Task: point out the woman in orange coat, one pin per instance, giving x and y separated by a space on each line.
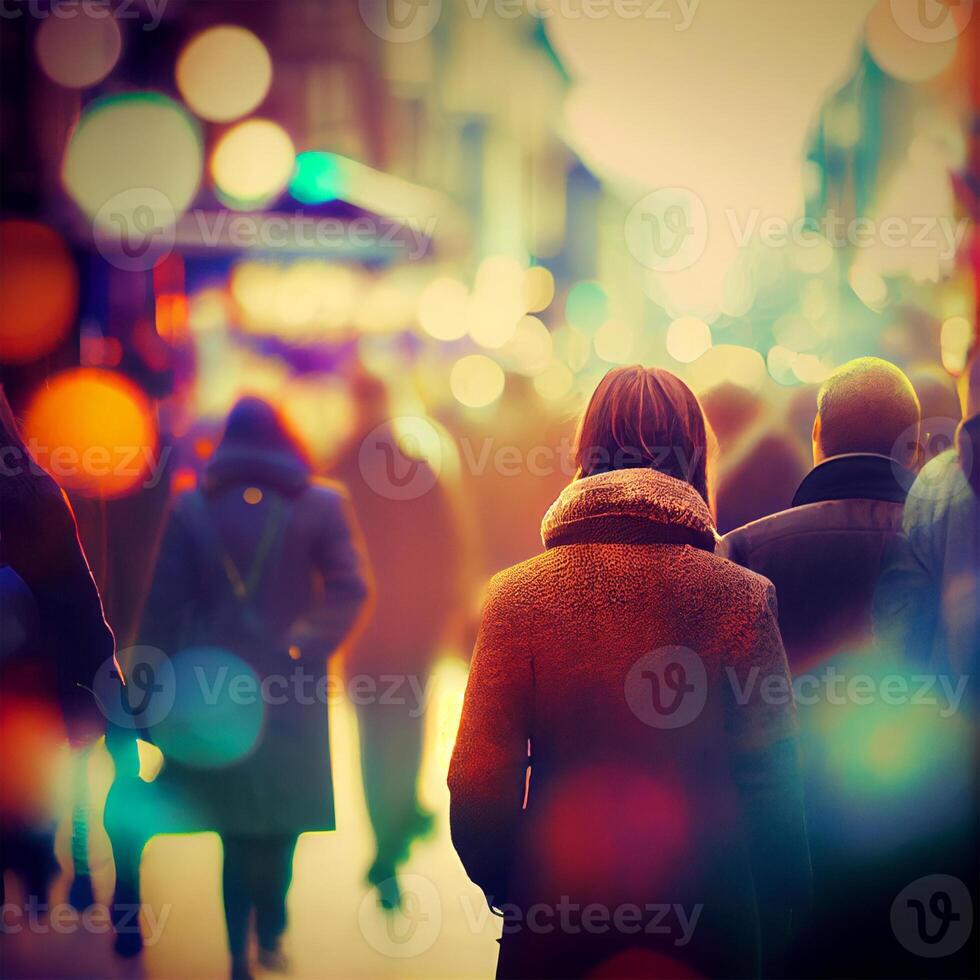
624 784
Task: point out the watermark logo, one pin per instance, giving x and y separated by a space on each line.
933 916
409 930
400 21
667 688
135 229
148 695
932 21
402 469
934 437
667 229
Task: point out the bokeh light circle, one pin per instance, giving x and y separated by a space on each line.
899 51
253 163
539 288
38 291
476 380
218 710
224 73
442 309
688 337
134 147
93 431
78 51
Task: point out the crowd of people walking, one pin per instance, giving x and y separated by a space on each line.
689 746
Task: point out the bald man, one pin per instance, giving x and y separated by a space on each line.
824 553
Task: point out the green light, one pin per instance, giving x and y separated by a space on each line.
587 306
318 178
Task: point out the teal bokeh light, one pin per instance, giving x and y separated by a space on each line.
587 305
318 178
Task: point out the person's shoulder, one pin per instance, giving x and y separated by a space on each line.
939 486
741 543
739 580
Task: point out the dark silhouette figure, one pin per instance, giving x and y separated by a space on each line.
413 539
825 555
759 462
614 666
53 640
259 579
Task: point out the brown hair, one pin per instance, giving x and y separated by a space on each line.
644 418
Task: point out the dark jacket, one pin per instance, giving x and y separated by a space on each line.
246 764
632 801
39 541
406 513
825 553
929 600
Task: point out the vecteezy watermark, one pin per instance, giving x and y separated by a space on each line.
411 20
668 230
670 920
405 470
137 228
409 930
922 444
932 21
933 916
41 918
151 686
94 9
668 688
80 466
407 467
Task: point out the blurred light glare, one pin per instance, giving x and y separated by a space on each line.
95 432
224 72
614 342
38 291
476 381
318 178
530 347
490 323
781 363
899 49
133 163
554 382
78 51
955 340
539 288
442 308
587 305
253 163
688 337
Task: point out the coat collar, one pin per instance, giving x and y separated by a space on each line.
632 506
855 476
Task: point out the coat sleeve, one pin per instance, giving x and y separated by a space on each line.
907 596
488 771
764 749
340 557
69 601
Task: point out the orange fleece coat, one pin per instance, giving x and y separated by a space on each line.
643 681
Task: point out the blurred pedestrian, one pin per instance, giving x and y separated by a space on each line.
608 666
413 535
824 554
53 640
260 578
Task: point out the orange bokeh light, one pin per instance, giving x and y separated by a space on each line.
93 431
38 291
